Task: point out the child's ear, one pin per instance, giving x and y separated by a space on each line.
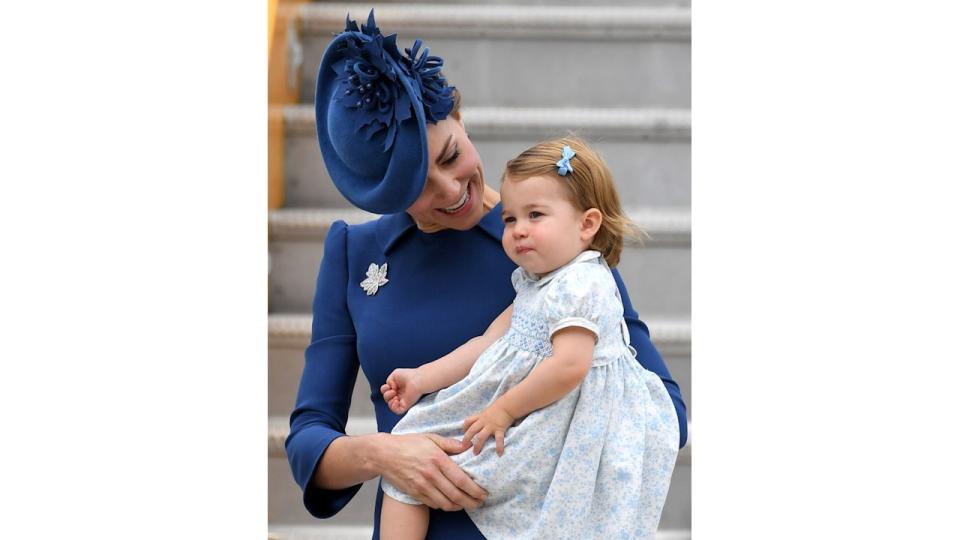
590 224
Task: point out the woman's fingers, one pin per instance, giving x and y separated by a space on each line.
463 482
451 497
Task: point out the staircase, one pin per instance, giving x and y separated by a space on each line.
617 75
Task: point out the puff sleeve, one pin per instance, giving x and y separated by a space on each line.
578 297
329 373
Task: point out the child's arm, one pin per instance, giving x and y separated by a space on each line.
404 387
449 369
552 379
555 376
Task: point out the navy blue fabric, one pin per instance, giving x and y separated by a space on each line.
444 288
376 179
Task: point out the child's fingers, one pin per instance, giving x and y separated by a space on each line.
481 438
468 422
499 436
396 405
468 436
388 394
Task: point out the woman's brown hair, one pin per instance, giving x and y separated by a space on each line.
589 185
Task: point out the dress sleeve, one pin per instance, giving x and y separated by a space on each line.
576 298
326 385
649 357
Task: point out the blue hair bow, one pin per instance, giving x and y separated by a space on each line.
564 164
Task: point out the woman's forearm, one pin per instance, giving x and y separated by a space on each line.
349 461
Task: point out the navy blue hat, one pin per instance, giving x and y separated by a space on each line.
372 107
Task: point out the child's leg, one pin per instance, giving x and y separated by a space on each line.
399 521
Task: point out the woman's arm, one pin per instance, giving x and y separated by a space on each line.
329 373
650 358
328 465
419 465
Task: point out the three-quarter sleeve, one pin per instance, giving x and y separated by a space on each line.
326 386
650 358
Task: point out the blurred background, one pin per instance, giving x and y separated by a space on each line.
616 72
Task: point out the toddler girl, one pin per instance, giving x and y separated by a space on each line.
571 436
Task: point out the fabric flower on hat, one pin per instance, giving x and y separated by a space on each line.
369 82
436 96
367 77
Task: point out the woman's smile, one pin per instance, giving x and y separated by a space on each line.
461 206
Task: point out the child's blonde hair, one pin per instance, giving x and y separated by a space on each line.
590 185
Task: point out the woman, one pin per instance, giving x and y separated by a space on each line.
407 288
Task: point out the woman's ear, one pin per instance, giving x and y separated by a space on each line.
590 224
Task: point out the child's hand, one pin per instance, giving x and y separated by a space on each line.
402 390
493 420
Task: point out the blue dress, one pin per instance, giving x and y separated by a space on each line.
594 464
443 289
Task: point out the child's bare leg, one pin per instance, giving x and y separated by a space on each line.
399 521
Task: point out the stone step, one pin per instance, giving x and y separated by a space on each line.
365 532
648 150
289 335
285 498
564 55
657 274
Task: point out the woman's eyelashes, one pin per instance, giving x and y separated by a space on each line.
453 156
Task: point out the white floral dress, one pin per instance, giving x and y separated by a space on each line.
596 463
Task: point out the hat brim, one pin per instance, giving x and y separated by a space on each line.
385 190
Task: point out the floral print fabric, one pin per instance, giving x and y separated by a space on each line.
595 464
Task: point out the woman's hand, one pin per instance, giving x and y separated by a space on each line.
494 420
419 466
402 390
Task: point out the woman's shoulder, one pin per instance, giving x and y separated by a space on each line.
377 233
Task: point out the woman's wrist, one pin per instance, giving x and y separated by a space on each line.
350 460
370 453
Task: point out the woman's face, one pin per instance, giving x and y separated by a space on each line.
453 194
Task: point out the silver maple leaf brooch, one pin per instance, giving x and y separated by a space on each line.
375 278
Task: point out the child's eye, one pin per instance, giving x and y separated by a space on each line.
534 215
509 219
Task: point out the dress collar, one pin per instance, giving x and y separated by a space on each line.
543 280
392 227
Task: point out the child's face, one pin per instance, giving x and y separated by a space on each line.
542 229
